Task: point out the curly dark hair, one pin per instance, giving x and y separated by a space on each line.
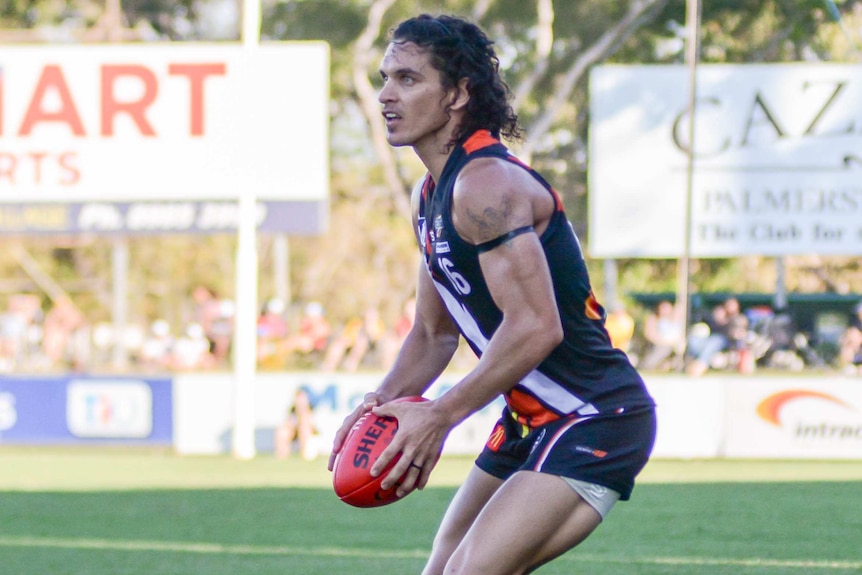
460 49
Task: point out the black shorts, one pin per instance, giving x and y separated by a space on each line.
608 450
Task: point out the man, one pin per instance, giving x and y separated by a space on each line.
850 344
504 270
664 335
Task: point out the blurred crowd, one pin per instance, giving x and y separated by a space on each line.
726 337
35 338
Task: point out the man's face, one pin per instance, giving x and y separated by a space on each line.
414 102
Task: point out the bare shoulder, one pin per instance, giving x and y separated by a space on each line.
493 197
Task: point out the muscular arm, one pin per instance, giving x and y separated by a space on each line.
490 200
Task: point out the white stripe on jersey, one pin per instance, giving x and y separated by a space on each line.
462 317
546 389
550 445
551 393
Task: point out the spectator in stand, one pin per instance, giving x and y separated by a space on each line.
850 351
17 324
850 344
358 337
740 353
706 339
344 339
405 321
620 326
392 343
272 346
297 430
220 334
215 316
206 308
314 331
61 323
737 324
856 317
158 346
775 340
728 332
192 350
665 337
370 338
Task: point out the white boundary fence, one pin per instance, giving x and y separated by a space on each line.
734 417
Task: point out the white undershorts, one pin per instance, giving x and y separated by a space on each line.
599 497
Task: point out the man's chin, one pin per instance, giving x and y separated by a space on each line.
396 142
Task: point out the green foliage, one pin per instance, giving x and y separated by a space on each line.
29 13
648 275
368 257
170 18
294 20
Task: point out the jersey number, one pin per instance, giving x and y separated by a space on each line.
456 279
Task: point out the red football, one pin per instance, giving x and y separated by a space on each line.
351 476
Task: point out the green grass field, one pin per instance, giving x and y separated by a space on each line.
112 512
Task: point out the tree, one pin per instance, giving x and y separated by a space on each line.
546 47
99 21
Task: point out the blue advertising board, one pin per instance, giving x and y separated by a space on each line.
86 410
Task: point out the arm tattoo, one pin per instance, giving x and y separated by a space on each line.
492 222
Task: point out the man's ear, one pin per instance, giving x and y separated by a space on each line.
459 96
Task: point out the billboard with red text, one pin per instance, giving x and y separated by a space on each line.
161 137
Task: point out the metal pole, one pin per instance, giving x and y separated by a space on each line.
281 268
780 302
683 299
114 32
247 268
120 300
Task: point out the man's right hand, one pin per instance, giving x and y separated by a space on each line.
370 401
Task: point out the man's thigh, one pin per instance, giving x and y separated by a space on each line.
468 502
533 518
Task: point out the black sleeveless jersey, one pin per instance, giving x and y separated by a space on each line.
585 374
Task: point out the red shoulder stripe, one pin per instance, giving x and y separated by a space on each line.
480 139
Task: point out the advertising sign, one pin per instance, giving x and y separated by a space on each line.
777 160
148 217
204 412
794 420
684 431
61 411
109 409
130 134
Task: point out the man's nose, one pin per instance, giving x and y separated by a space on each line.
385 94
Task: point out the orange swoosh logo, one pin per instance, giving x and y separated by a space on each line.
592 307
769 408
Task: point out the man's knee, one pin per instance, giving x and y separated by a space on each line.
478 560
441 552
